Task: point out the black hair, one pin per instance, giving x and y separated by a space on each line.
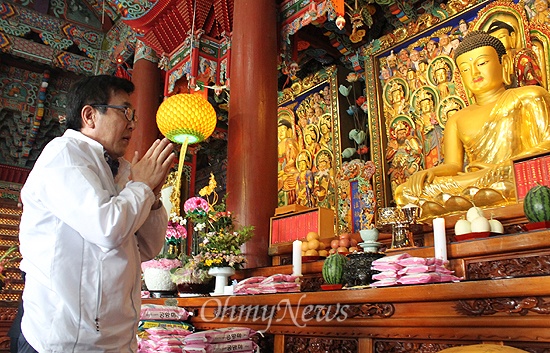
478 39
498 24
92 90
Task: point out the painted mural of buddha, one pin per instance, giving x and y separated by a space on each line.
501 125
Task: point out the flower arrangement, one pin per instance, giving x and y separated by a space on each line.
175 233
220 240
190 273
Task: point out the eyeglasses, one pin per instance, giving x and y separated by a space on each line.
129 113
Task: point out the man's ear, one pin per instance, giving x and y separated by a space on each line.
88 115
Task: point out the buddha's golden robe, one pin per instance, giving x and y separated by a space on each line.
516 126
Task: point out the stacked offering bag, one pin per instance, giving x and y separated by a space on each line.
407 269
268 285
229 339
163 328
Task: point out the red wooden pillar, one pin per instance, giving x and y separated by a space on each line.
252 134
146 100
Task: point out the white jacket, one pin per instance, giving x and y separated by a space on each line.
83 236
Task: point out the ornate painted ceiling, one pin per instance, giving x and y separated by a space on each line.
90 36
96 36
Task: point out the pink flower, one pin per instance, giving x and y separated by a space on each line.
175 231
194 203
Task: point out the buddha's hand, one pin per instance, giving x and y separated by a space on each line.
419 179
475 166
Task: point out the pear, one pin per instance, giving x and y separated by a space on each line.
480 224
463 226
473 213
496 226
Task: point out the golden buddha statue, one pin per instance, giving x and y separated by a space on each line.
501 125
520 65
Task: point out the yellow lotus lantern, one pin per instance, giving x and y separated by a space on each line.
185 119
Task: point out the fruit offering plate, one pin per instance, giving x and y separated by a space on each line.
473 235
537 225
312 258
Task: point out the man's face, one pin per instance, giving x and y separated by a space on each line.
415 55
481 70
507 39
444 40
112 129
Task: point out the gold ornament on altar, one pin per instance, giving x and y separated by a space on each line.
185 118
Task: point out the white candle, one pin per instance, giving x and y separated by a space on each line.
297 258
440 239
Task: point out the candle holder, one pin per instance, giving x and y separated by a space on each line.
401 220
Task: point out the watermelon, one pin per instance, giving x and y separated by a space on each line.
536 204
333 268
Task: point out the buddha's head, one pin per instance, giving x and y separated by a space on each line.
396 92
504 32
479 60
310 134
304 161
283 129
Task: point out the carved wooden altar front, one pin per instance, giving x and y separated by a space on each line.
504 298
420 318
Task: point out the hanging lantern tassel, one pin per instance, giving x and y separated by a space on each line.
185 119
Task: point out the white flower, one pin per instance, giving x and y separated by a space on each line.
199 227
